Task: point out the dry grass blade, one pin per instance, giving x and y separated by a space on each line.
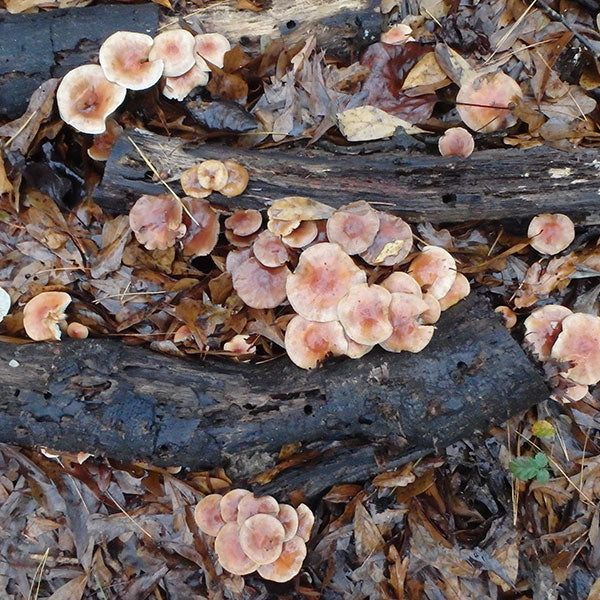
128 515
38 575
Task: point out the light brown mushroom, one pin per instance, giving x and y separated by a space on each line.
356 350
353 227
324 275
77 330
201 234
230 502
85 98
190 184
207 514
259 286
244 222
237 179
302 236
211 47
306 520
408 334
460 289
456 141
175 48
567 391
269 249
289 563
551 233
261 538
43 315
156 221
182 334
124 58
240 241
542 327
308 343
249 506
230 553
235 258
103 142
508 316
397 35
177 88
238 344
281 227
288 517
212 175
433 312
434 269
392 243
402 282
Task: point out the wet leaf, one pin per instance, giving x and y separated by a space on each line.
221 115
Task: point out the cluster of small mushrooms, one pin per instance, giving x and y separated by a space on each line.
256 534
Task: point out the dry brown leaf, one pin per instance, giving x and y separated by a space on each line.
454 65
400 478
72 590
299 208
371 123
367 537
427 72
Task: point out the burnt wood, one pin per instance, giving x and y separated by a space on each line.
102 396
489 185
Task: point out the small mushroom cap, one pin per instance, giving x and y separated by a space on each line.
190 184
288 517
156 221
249 506
244 222
508 316
182 334
324 275
212 175
302 236
269 249
483 103
103 142
177 88
230 502
434 269
356 350
542 327
259 286
282 228
211 47
307 343
77 330
566 391
5 302
238 344
392 243
405 310
176 49
207 514
579 344
353 227
43 313
363 313
124 59
397 35
456 141
306 520
240 241
201 236
402 282
235 258
85 98
551 233
237 179
261 538
289 563
230 553
433 312
460 289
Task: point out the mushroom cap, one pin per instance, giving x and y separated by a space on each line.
456 141
551 233
579 344
235 258
212 175
190 184
230 502
566 391
356 350
240 241
483 102
460 289
85 98
288 517
5 302
324 275
392 243
103 142
397 35
353 227
230 552
306 520
542 327
408 334
238 344
288 564
261 538
281 227
307 343
207 514
177 88
363 312
176 49
259 286
269 249
77 330
201 236
182 334
43 313
433 312
508 316
402 282
244 222
124 59
211 47
302 236
156 221
249 506
434 269
237 179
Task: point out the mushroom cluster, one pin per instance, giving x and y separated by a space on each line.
256 534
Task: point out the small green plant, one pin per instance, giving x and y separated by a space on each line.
531 468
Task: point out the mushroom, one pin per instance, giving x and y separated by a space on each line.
238 344
392 243
261 538
230 553
551 233
281 227
579 345
508 316
207 514
244 222
103 142
307 343
484 102
77 330
566 391
176 49
230 502
235 258
201 234
249 506
353 227
324 275
5 303
434 310
402 282
190 184
269 250
302 236
460 289
456 141
124 58
259 286
363 313
212 174
85 98
211 47
237 179
408 333
240 241
434 269
397 35
542 327
288 564
306 520
182 334
43 314
288 517
177 88
156 221
356 350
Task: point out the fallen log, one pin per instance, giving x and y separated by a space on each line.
358 416
489 185
36 47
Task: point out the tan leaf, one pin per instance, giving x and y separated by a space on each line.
72 590
371 123
454 65
426 72
367 538
299 208
390 249
400 478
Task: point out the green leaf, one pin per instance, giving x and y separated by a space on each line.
541 460
543 476
524 468
543 429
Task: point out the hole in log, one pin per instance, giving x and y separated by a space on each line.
449 198
16 393
291 24
308 409
47 395
365 420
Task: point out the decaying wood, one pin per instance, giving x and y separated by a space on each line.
376 412
489 185
36 47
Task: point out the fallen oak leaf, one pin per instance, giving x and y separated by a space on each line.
371 123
